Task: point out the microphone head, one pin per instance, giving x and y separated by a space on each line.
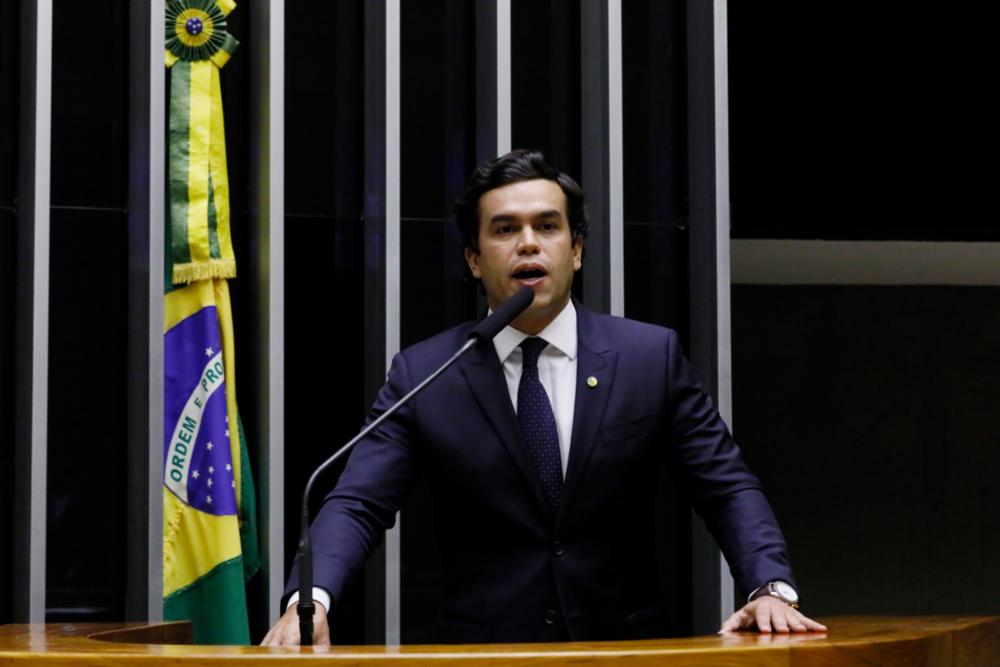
503 315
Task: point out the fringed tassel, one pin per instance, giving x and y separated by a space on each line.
215 268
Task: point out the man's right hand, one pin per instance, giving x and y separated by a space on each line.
286 631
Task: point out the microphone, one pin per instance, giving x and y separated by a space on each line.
483 332
504 315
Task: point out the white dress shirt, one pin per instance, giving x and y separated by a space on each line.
557 373
556 370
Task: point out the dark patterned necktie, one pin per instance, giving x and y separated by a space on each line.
538 424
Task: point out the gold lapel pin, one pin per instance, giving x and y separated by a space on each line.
591 382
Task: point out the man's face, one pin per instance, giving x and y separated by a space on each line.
524 239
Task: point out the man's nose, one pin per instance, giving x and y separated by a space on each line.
527 242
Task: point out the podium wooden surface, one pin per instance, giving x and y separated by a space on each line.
928 641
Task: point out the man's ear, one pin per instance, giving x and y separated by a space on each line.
472 259
577 253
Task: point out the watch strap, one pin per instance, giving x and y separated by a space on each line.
771 589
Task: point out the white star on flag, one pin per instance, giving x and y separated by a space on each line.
227 432
196 474
209 445
211 470
233 484
229 467
210 482
209 499
208 352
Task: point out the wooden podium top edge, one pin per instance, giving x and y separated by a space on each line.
851 640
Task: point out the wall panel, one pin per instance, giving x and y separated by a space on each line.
438 149
869 412
10 63
324 264
654 100
88 320
545 80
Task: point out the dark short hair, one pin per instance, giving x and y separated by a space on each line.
515 166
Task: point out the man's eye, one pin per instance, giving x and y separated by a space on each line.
548 226
504 229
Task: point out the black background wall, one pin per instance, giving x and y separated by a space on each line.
868 411
851 123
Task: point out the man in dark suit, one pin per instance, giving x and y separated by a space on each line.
542 451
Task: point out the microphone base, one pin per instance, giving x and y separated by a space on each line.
306 623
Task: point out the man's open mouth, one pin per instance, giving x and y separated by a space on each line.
529 274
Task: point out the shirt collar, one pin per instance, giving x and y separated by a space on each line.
560 334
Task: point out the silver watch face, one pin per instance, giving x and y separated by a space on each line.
786 591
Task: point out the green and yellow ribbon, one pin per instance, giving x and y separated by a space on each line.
197 45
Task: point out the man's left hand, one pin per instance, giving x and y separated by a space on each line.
769 614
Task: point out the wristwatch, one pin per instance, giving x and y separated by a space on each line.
779 590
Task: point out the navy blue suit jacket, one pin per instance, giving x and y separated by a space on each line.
514 569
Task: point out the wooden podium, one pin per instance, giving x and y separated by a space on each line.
927 641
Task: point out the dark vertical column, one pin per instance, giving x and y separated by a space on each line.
439 141
376 270
545 82
144 585
601 152
709 268
439 144
267 131
10 75
31 411
654 103
493 112
486 80
324 235
492 79
487 93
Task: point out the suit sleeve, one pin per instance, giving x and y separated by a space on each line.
725 493
379 475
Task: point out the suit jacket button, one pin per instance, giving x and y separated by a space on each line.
551 616
557 548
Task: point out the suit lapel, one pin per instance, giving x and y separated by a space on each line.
595 360
485 376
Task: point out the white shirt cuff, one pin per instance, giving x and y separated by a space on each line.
320 596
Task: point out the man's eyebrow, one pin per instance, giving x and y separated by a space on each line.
509 217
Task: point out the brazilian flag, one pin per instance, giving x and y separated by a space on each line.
209 508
